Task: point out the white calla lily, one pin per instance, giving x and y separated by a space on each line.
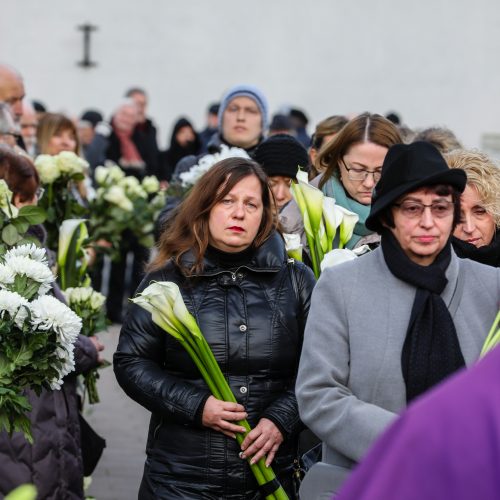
337 256
332 216
349 220
293 246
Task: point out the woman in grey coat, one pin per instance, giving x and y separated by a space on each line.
386 327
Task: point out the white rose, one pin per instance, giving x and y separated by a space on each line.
70 163
100 175
151 184
47 168
116 195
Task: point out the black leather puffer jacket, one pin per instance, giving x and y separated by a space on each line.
254 322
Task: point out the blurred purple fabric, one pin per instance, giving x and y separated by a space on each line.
445 445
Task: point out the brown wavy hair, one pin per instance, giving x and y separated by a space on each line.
18 171
366 127
188 229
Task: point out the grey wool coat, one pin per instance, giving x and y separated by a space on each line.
350 385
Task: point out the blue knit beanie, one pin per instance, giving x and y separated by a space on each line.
245 91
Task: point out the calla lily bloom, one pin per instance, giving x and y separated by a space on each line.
293 246
493 338
70 248
349 220
337 256
332 217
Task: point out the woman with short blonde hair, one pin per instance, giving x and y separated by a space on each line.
475 236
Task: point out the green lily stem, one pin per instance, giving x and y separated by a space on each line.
199 350
227 395
493 337
314 258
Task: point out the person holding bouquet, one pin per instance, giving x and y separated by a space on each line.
225 253
390 325
53 463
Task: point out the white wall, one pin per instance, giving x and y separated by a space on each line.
436 62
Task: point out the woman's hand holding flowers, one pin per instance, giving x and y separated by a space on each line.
218 415
263 440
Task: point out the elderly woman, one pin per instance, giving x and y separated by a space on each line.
386 327
224 252
475 236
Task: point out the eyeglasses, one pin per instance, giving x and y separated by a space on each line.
415 209
360 174
39 193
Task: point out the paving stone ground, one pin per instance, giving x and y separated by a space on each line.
124 425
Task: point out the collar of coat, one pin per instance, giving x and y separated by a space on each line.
269 257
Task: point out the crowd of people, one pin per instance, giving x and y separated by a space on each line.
329 365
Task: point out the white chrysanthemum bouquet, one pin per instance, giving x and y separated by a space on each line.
89 306
124 203
37 334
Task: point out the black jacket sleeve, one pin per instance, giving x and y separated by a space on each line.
138 366
284 412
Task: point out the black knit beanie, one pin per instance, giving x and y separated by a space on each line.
281 154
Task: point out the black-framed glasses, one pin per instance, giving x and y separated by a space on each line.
39 193
360 174
415 209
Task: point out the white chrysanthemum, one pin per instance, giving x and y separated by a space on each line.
47 168
48 313
6 275
15 305
151 184
32 269
79 295
190 177
70 163
116 195
29 250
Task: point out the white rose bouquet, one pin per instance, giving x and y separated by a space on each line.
37 334
124 203
61 176
89 306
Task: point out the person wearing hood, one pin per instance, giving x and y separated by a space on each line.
184 141
242 119
388 326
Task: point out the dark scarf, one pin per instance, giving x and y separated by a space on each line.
488 254
431 350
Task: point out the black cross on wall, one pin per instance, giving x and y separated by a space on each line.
87 29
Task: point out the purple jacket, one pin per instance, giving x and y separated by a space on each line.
445 445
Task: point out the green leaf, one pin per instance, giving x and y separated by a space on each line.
33 214
21 225
10 235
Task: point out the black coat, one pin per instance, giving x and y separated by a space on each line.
53 463
254 322
144 138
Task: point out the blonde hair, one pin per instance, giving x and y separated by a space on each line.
52 124
483 174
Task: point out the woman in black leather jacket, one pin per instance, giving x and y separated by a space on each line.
224 252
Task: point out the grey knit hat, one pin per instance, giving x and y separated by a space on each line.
245 91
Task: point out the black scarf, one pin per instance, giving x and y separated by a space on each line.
488 254
431 350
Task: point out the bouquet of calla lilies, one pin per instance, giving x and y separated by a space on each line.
166 305
323 218
493 338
